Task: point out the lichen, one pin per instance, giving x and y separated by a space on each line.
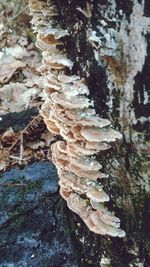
122 48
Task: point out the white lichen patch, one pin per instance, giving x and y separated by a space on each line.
105 262
122 49
135 50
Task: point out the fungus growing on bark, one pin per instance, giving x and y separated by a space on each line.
80 102
100 135
69 112
55 59
91 175
94 219
45 42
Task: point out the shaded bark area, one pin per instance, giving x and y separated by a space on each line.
127 163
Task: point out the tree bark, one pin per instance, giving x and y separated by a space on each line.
109 43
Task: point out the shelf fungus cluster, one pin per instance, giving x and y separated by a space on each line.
69 112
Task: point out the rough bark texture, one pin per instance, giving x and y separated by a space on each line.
109 44
33 230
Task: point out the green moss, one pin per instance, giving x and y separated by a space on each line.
31 36
147 246
30 186
146 167
19 220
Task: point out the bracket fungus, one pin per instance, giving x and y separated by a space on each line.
69 112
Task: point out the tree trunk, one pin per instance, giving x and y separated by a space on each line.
109 43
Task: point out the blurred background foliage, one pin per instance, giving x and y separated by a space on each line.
14 20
